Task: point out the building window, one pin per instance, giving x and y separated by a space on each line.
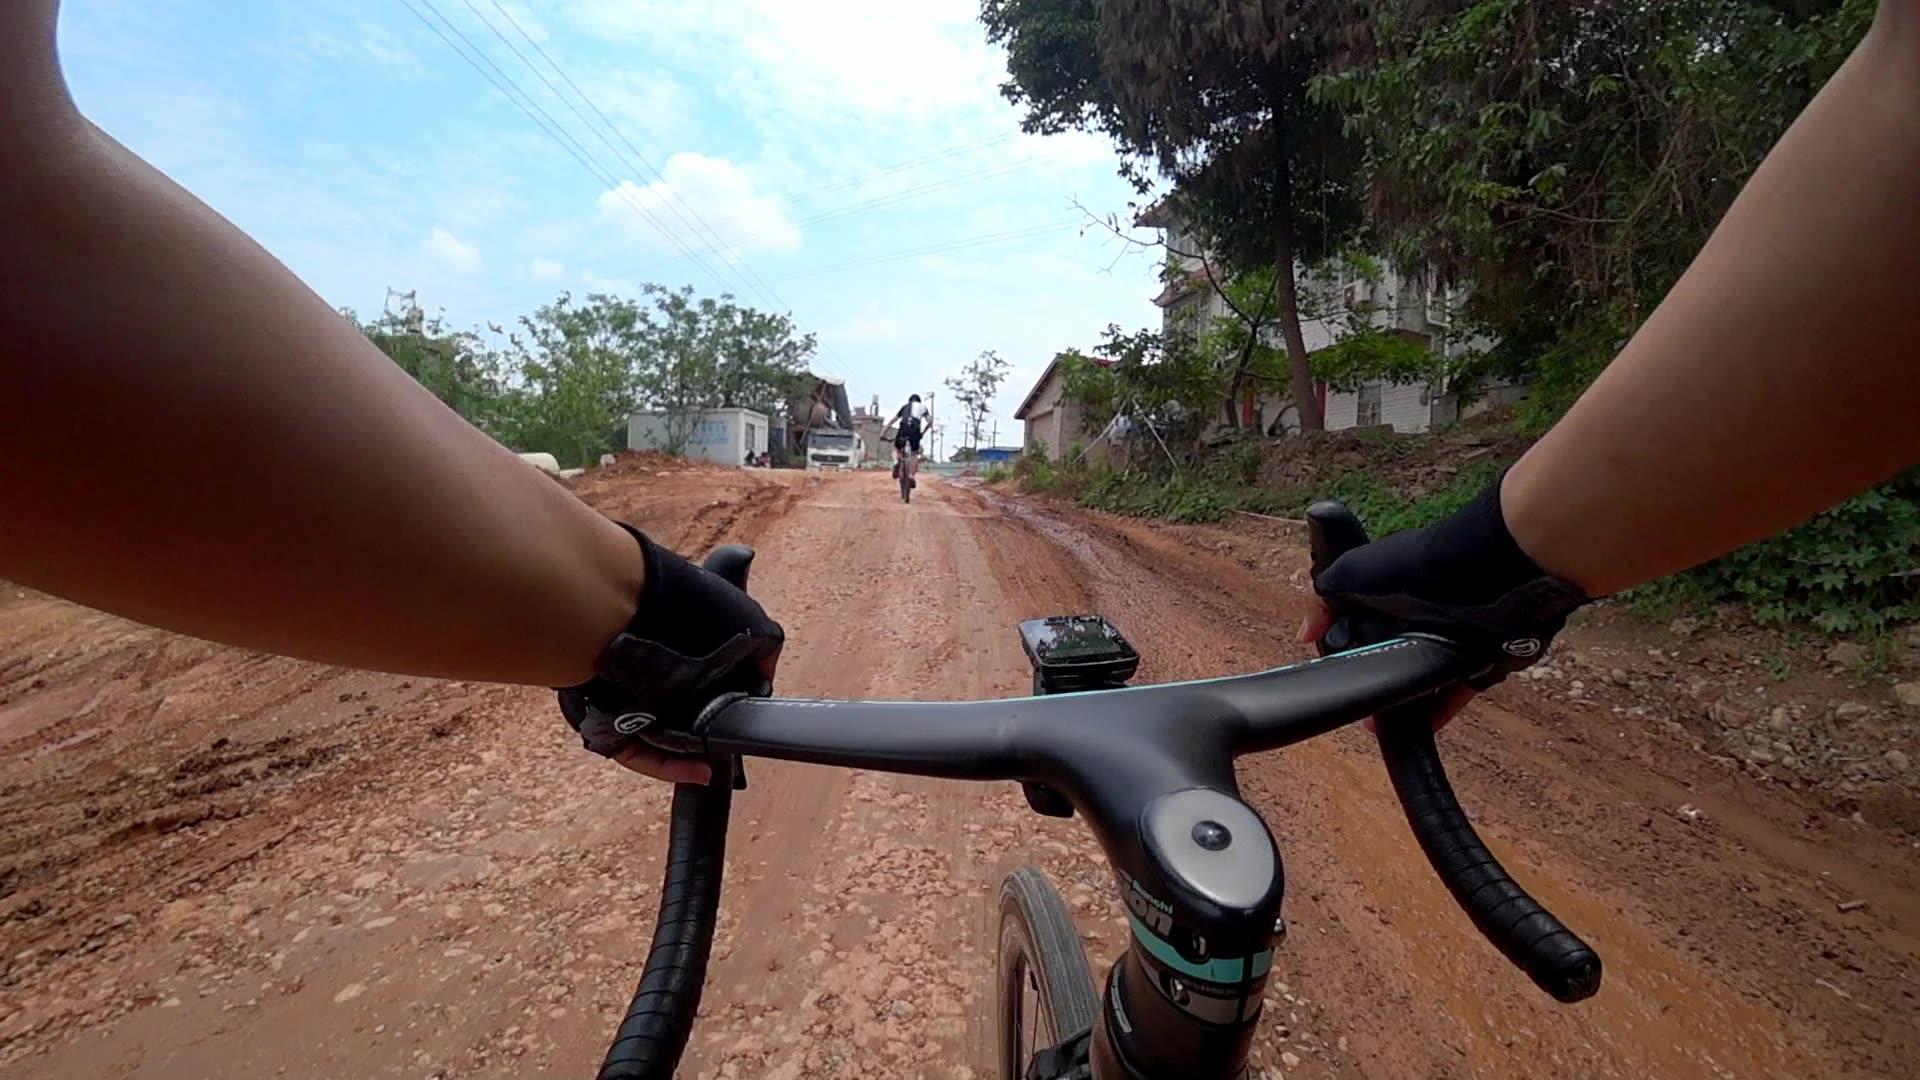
1367 413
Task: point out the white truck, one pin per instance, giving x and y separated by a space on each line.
833 448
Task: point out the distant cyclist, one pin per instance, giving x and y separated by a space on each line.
908 425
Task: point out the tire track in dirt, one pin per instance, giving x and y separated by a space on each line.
876 951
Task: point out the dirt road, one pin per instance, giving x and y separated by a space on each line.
214 864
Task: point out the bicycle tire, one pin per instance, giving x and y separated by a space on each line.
1039 941
906 486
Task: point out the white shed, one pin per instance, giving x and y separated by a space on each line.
722 436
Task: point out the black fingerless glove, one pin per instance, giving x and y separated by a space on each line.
1463 578
693 638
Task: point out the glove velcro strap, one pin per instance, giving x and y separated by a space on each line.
676 687
1513 630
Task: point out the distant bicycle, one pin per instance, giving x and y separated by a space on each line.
1151 770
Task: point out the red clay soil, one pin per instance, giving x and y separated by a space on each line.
216 864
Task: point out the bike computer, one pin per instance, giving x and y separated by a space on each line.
1077 652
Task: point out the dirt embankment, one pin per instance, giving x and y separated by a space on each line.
1411 466
214 864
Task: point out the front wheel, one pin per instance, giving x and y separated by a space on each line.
1046 993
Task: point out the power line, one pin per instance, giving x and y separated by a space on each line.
545 121
697 222
691 218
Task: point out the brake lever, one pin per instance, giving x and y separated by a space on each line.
1332 531
733 563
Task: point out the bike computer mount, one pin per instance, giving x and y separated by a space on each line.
1069 654
1077 652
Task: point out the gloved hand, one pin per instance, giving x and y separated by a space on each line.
1463 578
693 637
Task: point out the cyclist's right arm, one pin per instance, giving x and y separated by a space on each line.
1779 376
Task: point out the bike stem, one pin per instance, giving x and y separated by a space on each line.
1185 999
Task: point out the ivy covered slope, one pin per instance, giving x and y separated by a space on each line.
1853 569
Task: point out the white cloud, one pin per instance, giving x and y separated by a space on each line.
334 35
696 189
645 98
453 252
856 60
546 269
617 286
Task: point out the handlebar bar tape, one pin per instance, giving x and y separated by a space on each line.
1553 956
652 1037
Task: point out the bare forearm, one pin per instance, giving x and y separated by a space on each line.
1781 374
200 443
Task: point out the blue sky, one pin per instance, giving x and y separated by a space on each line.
849 161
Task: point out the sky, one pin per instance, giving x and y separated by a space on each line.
849 161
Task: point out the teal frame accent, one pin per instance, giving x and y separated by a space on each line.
1225 970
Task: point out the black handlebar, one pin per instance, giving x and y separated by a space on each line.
1316 699
1528 934
654 1034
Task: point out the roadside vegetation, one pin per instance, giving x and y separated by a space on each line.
1852 570
564 378
1548 170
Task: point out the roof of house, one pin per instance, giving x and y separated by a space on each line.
1053 364
1157 215
1178 287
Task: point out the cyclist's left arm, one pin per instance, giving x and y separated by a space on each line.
215 450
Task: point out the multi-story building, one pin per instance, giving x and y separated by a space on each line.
1391 302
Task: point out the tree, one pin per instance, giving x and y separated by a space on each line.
572 372
1567 160
572 381
974 390
1214 98
1162 382
697 354
451 364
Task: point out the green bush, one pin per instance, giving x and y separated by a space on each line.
1137 494
997 473
1039 472
1847 570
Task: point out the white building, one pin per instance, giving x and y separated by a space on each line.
722 436
1402 305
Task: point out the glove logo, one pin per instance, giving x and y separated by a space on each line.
1524 648
632 723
